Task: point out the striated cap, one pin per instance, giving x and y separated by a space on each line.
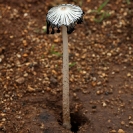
65 14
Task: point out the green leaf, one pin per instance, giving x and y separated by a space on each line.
72 64
52 51
102 5
102 17
128 1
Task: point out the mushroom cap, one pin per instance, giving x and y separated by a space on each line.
64 14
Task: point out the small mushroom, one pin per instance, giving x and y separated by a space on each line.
64 16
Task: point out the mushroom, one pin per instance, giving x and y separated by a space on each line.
65 16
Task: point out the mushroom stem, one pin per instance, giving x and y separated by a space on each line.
66 109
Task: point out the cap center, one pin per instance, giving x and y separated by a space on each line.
63 8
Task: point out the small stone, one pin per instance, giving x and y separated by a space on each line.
1 125
48 89
125 13
57 40
18 117
54 72
3 114
94 78
88 1
25 43
0 59
113 72
25 75
7 96
43 91
42 126
74 94
85 92
30 89
83 72
7 77
3 119
94 110
113 131
131 122
18 55
98 92
44 27
11 37
109 54
20 80
83 56
130 117
25 55
128 74
122 123
120 92
25 14
93 83
104 104
103 75
99 83
121 131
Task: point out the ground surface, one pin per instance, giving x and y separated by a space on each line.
101 69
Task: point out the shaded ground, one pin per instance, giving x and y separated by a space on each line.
101 69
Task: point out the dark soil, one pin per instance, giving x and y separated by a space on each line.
101 69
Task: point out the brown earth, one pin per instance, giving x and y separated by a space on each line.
101 69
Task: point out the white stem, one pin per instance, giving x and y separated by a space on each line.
66 109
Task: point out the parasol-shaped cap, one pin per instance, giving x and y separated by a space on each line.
65 14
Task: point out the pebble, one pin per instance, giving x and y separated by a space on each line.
94 110
128 74
98 92
18 55
48 89
113 72
44 27
93 83
20 80
104 104
25 75
25 14
25 55
131 122
109 54
94 78
130 117
1 125
121 131
30 89
42 126
57 40
3 119
54 72
122 123
3 114
113 131
85 92
99 83
74 94
0 59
